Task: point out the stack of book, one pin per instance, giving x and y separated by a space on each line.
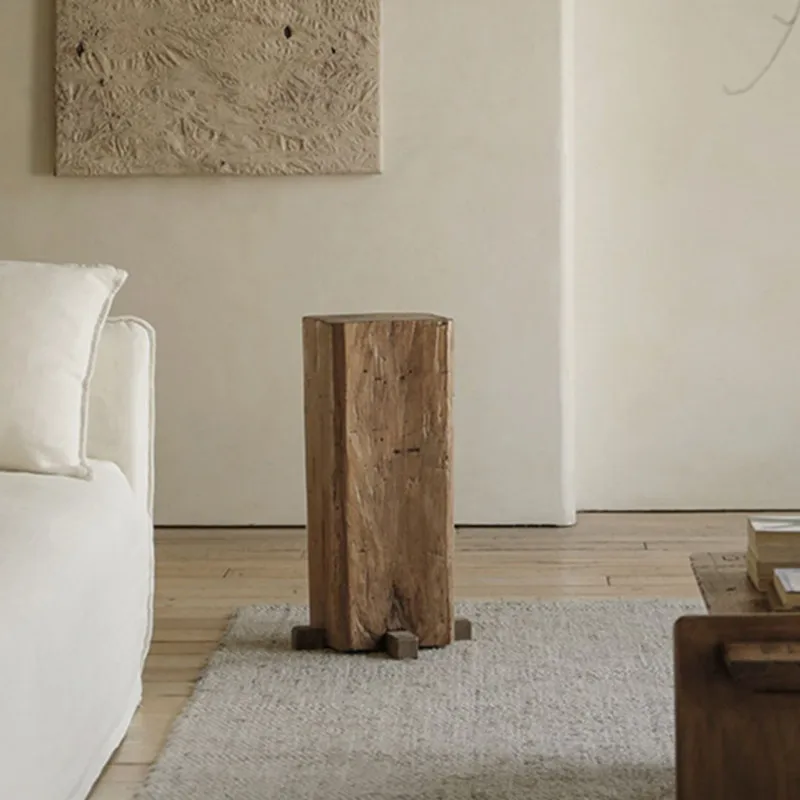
784 593
772 543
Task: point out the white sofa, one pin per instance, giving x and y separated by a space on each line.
76 587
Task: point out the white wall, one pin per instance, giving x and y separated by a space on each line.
687 256
465 222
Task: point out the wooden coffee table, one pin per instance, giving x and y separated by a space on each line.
737 691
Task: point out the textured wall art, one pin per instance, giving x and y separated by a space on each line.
241 87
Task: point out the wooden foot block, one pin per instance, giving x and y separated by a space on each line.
304 637
463 629
402 644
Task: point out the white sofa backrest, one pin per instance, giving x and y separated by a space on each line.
122 403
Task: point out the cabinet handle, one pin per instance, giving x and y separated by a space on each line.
764 666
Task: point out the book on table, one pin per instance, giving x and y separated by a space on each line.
773 542
786 583
774 538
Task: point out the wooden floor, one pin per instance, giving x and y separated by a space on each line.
203 575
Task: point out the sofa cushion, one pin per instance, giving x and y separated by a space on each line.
51 316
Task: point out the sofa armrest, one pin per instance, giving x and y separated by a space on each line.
121 405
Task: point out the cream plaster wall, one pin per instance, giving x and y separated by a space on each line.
687 269
464 221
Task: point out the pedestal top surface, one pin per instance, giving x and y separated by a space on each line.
344 319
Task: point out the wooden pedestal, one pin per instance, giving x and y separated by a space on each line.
379 443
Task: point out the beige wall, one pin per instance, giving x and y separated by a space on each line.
687 256
465 221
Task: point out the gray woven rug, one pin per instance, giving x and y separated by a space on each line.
551 701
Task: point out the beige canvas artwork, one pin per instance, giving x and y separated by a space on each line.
239 87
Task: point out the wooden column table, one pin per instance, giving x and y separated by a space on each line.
379 484
737 690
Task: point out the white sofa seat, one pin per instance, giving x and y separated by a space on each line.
75 586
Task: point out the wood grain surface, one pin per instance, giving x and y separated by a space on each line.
379 439
325 464
724 585
732 742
